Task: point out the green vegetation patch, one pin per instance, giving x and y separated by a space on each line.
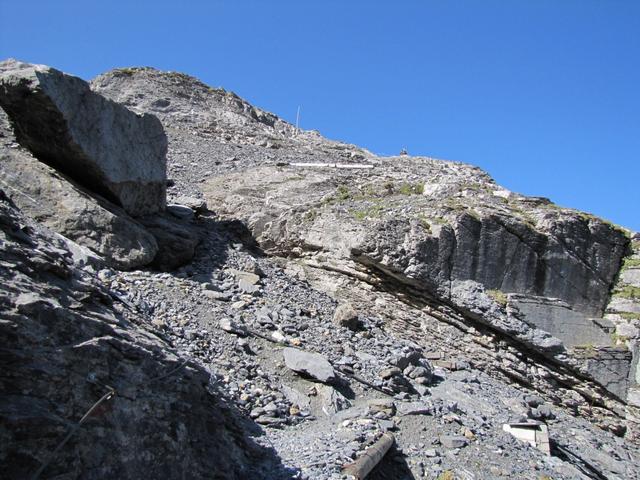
411 189
446 475
617 338
631 262
373 211
369 192
588 350
424 221
126 71
343 193
524 215
499 296
628 291
310 215
405 188
630 315
440 220
475 187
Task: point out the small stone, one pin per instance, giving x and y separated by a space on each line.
195 204
248 277
386 425
421 389
230 326
278 336
296 397
346 316
453 441
270 408
387 373
268 420
533 400
158 322
180 211
247 287
256 412
332 400
385 405
213 295
239 305
414 408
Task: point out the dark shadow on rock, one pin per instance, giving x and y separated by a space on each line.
177 240
216 238
583 465
393 466
343 386
148 412
238 231
211 252
436 380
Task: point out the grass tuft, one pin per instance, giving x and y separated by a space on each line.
499 296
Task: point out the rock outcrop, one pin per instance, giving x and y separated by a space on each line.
391 220
98 142
64 206
568 257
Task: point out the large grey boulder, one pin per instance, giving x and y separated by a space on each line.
312 364
98 142
55 201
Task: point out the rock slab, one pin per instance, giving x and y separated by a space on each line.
312 364
68 209
98 142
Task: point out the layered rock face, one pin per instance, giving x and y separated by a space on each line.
114 151
433 226
571 258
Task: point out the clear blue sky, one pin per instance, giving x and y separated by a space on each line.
543 94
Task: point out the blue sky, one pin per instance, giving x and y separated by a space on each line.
543 94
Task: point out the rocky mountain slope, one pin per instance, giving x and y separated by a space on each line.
291 299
